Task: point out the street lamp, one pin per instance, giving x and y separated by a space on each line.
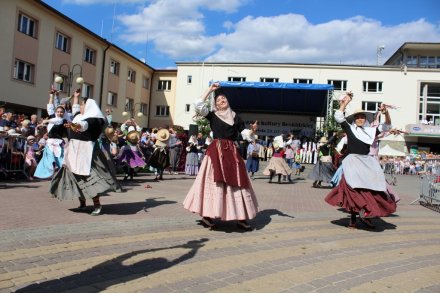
70 75
130 110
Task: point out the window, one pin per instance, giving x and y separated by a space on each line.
189 79
27 25
87 90
162 111
131 75
236 79
145 82
302 80
411 61
114 67
112 99
144 109
432 110
370 106
23 71
372 86
62 42
339 85
269 79
187 108
129 104
164 85
89 55
427 62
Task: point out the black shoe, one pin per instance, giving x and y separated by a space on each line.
244 226
207 222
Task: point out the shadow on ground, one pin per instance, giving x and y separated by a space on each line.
112 272
127 208
379 224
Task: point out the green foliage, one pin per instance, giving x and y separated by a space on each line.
203 125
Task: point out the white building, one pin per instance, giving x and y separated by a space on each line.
410 80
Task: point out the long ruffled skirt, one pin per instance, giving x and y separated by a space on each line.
218 200
67 185
375 203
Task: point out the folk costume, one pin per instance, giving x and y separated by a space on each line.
160 159
53 154
323 170
130 155
222 189
192 159
362 189
277 165
85 172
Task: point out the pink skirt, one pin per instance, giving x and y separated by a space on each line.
218 200
376 203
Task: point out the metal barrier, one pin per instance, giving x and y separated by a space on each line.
429 191
12 155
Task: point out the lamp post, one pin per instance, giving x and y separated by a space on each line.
130 111
70 74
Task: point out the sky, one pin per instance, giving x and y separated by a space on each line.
162 32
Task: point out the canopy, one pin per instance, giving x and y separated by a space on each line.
277 97
389 151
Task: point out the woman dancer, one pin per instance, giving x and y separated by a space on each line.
85 172
53 154
222 189
130 155
362 189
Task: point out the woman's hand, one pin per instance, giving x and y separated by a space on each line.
214 86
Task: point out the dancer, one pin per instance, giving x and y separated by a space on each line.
160 159
362 189
323 169
222 189
130 155
277 165
85 172
53 154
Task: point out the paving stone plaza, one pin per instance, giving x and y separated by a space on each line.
146 242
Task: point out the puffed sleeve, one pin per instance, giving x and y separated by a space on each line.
201 107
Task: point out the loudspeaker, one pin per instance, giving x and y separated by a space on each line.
193 130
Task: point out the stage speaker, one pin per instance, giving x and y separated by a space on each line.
193 130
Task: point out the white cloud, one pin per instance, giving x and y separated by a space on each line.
178 30
92 2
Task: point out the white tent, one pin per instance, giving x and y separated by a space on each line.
389 151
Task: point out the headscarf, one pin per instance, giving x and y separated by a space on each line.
226 115
91 110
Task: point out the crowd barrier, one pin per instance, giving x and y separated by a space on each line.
430 191
12 156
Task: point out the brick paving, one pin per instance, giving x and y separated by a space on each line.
146 242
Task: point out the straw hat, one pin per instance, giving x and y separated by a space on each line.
132 135
368 116
163 135
109 132
323 140
12 132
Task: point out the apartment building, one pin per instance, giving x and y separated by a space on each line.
42 48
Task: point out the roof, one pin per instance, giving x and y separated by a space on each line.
277 97
413 46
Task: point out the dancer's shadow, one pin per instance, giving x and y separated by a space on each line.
379 224
264 217
113 271
129 208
